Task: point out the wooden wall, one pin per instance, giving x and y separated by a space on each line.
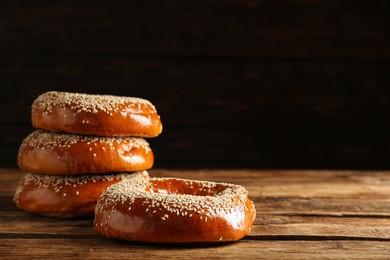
238 83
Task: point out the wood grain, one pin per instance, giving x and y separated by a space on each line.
189 147
97 249
230 93
239 84
281 29
301 214
250 99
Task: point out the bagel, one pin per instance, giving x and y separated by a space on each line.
100 115
172 210
65 196
45 152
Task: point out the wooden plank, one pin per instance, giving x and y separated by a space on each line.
344 207
259 148
268 190
324 190
195 92
246 148
292 29
334 116
301 183
341 212
325 221
276 206
18 223
320 226
103 248
348 207
21 224
269 183
257 176
232 62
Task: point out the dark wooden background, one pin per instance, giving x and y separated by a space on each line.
238 84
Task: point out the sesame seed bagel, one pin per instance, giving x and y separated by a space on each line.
47 152
172 210
65 196
101 115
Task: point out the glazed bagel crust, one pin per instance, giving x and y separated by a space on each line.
171 210
46 152
100 115
65 196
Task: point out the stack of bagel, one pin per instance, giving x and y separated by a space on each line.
88 157
81 145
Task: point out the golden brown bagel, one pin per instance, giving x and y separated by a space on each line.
65 196
171 210
46 152
101 115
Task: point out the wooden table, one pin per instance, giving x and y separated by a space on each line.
301 214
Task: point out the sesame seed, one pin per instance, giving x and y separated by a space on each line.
43 181
89 103
40 140
207 199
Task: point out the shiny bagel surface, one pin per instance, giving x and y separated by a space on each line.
64 196
171 210
100 115
45 152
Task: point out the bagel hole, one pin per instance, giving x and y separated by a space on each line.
182 187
